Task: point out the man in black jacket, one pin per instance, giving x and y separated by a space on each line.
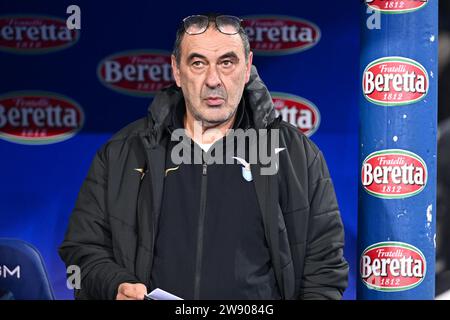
202 229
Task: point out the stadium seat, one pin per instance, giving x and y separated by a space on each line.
22 272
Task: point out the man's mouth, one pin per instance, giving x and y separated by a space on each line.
214 101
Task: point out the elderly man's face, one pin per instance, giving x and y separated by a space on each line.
212 74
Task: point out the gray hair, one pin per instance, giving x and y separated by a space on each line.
180 35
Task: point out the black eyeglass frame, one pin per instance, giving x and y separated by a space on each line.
217 21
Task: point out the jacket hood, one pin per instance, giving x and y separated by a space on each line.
257 100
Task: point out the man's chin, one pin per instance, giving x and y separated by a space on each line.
213 122
214 115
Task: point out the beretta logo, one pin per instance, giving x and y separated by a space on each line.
137 73
277 35
394 173
394 81
38 117
396 6
31 34
392 266
298 111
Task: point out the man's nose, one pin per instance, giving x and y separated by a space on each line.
213 78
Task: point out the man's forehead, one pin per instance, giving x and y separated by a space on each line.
212 42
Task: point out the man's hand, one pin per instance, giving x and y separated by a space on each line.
131 291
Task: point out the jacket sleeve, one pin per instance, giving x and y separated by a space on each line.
88 243
325 271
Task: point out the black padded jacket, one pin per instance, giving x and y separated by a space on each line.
111 232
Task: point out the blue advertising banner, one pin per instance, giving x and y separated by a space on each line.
398 120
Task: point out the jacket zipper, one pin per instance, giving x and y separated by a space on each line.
201 224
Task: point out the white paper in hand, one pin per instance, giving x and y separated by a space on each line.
159 294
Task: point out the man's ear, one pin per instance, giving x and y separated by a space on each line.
175 71
249 67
